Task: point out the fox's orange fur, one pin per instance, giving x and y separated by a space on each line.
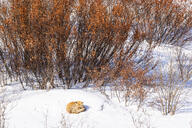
75 107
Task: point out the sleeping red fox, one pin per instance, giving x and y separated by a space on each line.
75 107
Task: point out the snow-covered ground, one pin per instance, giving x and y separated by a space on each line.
45 109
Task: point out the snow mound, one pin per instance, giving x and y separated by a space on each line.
41 109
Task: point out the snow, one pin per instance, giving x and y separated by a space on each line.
33 107
41 109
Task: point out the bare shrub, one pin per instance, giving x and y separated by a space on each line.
2 114
163 22
3 108
190 123
141 119
43 43
66 123
98 36
126 80
34 35
170 86
152 23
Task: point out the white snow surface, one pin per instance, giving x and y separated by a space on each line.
36 109
44 109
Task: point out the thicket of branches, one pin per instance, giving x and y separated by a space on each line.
45 42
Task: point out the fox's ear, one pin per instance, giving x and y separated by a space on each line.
79 102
